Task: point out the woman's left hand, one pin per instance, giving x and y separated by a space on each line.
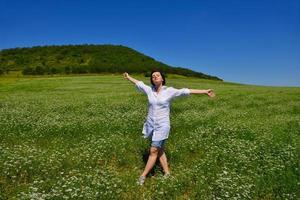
210 93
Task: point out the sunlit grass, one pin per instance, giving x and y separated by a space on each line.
80 138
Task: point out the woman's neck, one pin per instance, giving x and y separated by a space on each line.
158 87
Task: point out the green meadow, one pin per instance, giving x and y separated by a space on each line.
79 137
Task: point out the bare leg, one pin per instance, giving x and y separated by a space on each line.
151 161
163 161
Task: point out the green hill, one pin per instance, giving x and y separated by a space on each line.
79 59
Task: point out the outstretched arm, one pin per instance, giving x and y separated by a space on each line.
126 76
139 84
209 92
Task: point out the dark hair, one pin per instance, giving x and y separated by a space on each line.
162 75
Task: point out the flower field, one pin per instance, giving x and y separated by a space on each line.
79 137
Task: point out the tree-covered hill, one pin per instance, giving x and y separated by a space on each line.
79 59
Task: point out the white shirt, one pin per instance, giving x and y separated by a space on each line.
157 124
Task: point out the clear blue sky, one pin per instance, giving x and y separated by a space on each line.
244 41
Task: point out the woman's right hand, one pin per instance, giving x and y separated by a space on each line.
126 75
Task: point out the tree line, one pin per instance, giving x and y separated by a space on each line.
80 59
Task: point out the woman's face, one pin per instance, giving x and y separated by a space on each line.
157 78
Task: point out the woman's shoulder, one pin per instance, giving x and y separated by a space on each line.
169 88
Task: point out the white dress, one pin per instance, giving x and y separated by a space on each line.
157 124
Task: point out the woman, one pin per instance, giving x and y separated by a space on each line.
157 125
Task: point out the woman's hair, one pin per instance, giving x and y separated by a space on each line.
162 75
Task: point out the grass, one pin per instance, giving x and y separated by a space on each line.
80 138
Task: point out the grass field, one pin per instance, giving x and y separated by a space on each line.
80 138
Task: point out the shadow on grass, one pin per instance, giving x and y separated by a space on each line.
157 168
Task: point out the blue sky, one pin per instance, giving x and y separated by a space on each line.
251 41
